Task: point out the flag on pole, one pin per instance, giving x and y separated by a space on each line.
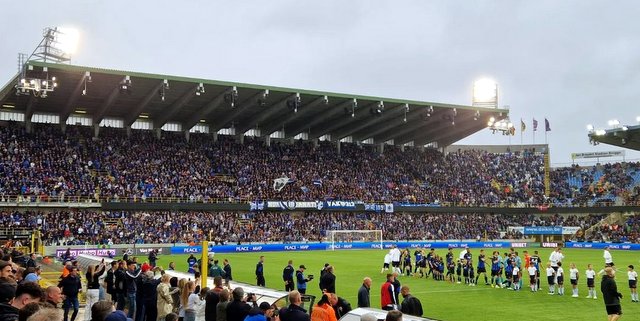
535 125
547 128
522 125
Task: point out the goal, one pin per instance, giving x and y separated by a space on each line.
354 236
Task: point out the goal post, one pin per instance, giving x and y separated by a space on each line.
354 236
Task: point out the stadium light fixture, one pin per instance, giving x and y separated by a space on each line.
638 119
590 127
485 93
600 132
625 128
163 88
200 89
231 97
614 123
67 39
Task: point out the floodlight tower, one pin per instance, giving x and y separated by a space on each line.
485 93
57 46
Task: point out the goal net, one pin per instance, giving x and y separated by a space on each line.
341 237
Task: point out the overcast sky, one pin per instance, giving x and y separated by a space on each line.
573 62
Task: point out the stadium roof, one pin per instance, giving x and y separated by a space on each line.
625 137
318 113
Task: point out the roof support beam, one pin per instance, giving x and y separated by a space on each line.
317 120
302 111
467 127
133 115
400 130
362 135
97 117
205 110
386 116
359 114
268 112
442 127
77 91
251 101
29 112
167 113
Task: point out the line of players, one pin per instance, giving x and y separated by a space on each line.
506 271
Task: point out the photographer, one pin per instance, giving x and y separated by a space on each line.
302 281
239 308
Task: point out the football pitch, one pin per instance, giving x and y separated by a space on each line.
440 299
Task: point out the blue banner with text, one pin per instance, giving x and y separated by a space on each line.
339 246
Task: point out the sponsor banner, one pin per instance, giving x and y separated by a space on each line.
570 230
614 246
336 246
388 207
615 153
96 252
545 230
374 208
294 205
257 205
145 250
337 205
550 244
519 244
401 205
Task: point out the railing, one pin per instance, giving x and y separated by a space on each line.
92 201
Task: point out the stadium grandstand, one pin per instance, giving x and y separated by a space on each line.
626 136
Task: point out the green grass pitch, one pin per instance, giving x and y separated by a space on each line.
442 300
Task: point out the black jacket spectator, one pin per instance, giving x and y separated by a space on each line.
411 306
328 282
364 299
294 313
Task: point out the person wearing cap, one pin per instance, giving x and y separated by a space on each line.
259 313
633 283
117 315
301 280
610 294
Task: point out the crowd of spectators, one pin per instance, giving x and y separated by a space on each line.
627 231
51 164
88 227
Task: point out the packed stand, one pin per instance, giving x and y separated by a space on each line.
87 227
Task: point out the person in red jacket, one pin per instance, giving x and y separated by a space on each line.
387 294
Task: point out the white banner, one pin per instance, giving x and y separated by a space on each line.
616 153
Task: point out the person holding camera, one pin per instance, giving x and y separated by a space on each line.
239 308
302 281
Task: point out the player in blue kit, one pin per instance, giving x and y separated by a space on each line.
481 268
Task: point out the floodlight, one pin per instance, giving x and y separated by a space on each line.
600 132
590 127
625 128
638 119
485 93
67 40
200 89
613 122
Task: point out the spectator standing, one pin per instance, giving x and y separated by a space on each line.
364 297
287 277
71 286
328 281
294 312
610 294
164 301
301 280
410 304
260 272
227 272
